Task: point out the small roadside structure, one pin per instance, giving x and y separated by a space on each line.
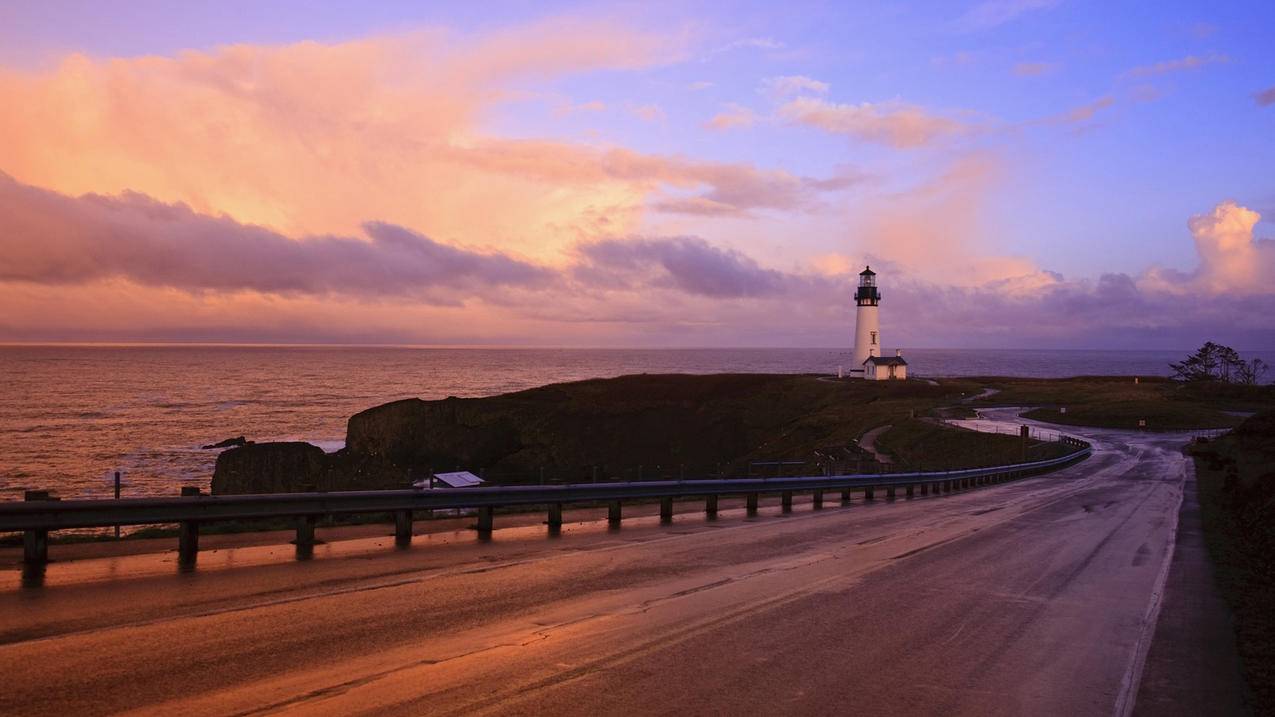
885 368
455 479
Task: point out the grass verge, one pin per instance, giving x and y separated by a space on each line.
1236 479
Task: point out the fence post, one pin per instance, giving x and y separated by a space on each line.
785 499
614 512
845 496
817 499
402 527
710 505
554 519
666 509
889 493
305 530
188 533
117 497
485 520
751 504
35 543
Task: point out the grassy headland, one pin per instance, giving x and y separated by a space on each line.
1236 478
640 427
1119 402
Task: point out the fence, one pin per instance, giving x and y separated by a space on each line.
41 513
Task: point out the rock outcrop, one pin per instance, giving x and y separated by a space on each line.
228 443
272 468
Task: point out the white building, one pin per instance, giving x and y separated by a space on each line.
867 327
885 368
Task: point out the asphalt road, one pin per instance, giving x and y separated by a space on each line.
1033 597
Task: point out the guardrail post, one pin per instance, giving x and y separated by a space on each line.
485 519
710 505
305 530
666 509
889 493
35 543
817 499
868 493
613 511
554 519
785 501
188 534
911 491
402 527
751 504
925 489
845 496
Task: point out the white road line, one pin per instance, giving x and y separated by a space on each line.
1132 679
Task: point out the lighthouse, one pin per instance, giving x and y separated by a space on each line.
867 326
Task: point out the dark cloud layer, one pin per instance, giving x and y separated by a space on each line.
648 288
688 264
51 238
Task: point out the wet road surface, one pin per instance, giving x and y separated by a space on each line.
1032 597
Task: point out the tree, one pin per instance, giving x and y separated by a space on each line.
1215 362
1251 372
1199 366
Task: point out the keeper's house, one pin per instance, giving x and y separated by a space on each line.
885 368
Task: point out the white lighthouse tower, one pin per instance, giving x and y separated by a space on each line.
867 326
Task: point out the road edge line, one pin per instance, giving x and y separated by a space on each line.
1132 680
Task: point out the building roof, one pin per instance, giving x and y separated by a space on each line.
456 479
886 361
867 271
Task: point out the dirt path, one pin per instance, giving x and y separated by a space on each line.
868 442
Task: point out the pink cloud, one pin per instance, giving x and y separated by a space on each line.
890 123
731 117
1190 62
1034 69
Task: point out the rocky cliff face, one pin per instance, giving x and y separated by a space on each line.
271 468
300 467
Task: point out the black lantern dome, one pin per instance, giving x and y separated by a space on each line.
867 294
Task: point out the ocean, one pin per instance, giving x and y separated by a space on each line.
70 416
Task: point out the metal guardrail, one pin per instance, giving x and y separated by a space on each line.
39 514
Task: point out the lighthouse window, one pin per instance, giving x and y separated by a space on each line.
874 338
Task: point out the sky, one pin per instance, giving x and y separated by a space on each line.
1020 173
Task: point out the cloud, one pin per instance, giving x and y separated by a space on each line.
1190 62
1081 113
396 133
590 106
131 268
699 85
1266 97
731 117
53 239
1034 69
786 85
648 113
752 43
1231 258
890 123
688 264
992 13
